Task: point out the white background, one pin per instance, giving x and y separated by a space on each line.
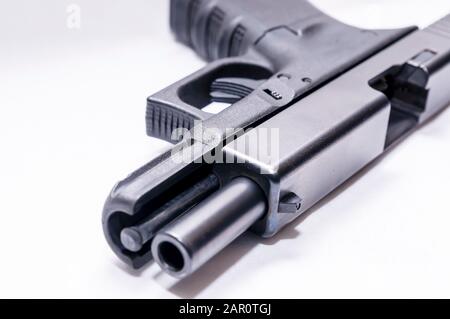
72 105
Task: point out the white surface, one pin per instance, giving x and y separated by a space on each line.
72 124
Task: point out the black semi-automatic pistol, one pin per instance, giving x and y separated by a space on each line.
311 100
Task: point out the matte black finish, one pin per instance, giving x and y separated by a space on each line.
134 238
338 95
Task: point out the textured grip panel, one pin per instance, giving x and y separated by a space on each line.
162 120
224 28
236 41
213 27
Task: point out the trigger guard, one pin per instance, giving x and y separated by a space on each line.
180 105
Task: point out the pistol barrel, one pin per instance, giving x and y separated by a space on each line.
193 239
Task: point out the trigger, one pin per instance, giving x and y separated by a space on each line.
232 90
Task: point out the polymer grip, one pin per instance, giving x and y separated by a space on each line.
218 29
252 43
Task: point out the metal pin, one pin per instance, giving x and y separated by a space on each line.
135 237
